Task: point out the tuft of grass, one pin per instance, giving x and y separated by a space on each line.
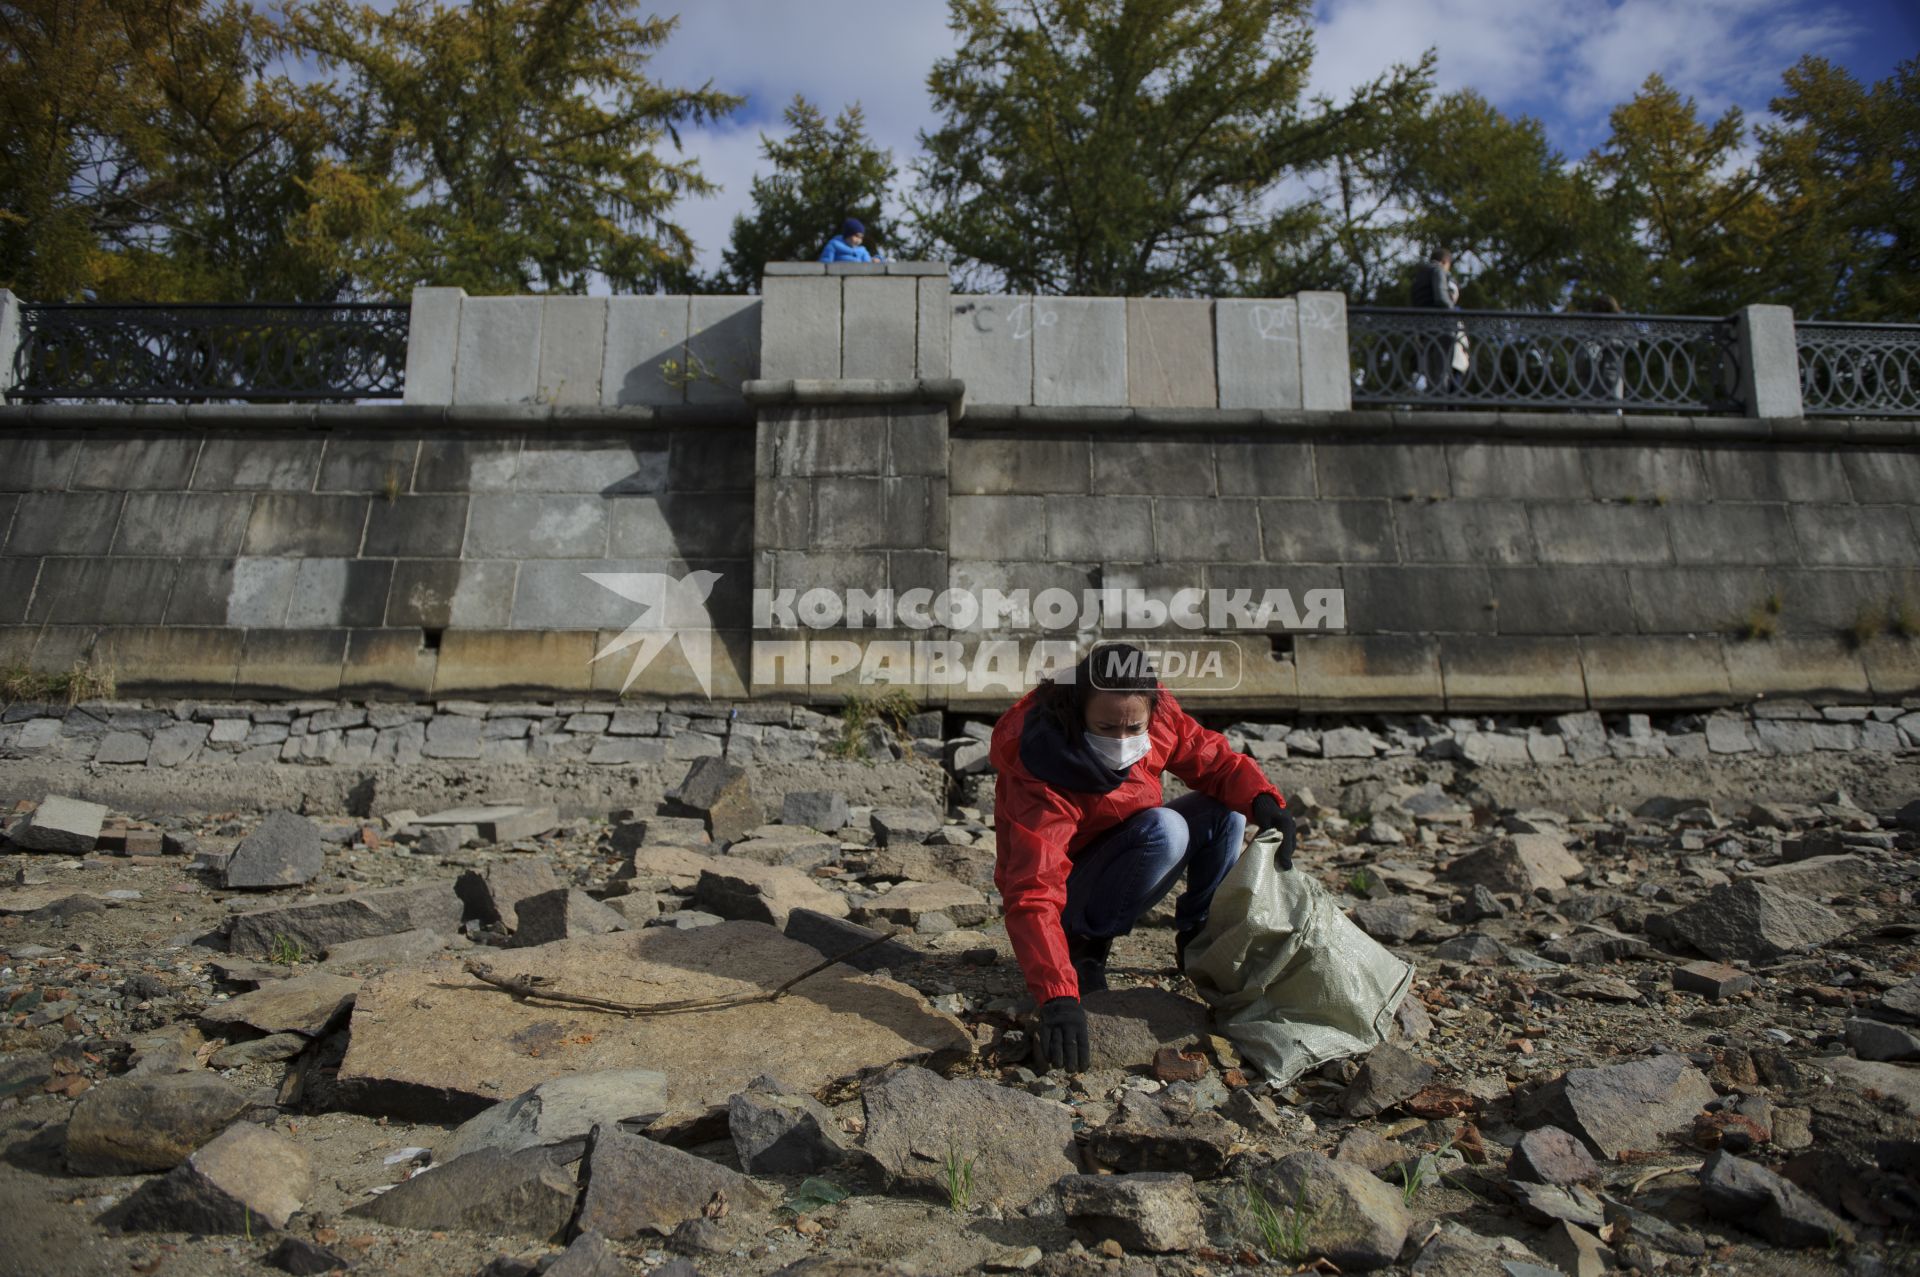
892 708
390 486
84 682
285 950
1426 1168
1903 617
959 1172
1631 498
1867 625
1283 1233
1362 883
1659 498
1763 619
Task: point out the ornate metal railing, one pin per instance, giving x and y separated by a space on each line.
286 351
1526 359
1858 370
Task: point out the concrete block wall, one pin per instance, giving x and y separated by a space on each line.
1276 353
851 497
1479 573
364 561
649 351
883 321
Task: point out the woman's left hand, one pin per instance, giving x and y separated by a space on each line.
1269 814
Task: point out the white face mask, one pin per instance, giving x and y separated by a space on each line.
1119 752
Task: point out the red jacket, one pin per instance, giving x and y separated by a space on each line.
1042 826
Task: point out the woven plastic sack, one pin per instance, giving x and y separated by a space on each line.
1292 983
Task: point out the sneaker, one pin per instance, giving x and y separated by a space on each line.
1089 957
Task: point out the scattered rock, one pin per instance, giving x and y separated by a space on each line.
563 1109
1756 922
495 823
307 1259
1902 1001
908 903
1200 1145
1387 1076
1878 1040
1126 1028
526 1193
1575 1251
1715 980
1389 921
1345 1214
268 1050
861 948
564 913
1752 1197
895 825
127 1125
636 1185
781 1132
494 894
284 850
1820 877
762 893
1624 1107
588 1255
1521 863
792 845
1548 1155
59 824
720 793
413 1050
816 809
247 1180
1151 1211
304 1004
386 951
1020 1144
313 926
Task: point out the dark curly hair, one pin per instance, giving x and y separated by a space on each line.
1107 667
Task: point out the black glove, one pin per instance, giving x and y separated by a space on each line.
1269 814
1062 1039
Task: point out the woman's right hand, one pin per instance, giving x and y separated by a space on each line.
1062 1035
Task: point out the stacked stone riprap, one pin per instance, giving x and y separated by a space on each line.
157 734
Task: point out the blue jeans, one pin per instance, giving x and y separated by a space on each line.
1126 872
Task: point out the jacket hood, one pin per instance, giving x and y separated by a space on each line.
1050 755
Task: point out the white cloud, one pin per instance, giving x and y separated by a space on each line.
1570 61
835 52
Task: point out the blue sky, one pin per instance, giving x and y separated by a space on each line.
1566 61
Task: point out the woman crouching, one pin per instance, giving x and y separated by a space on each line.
1087 847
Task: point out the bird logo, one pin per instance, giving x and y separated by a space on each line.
670 607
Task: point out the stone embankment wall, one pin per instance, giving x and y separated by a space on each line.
862 427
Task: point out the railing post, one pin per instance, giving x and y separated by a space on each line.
1326 365
433 342
1769 361
9 337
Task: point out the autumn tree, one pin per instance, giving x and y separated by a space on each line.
530 150
1132 147
1842 167
149 152
1683 223
1490 187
